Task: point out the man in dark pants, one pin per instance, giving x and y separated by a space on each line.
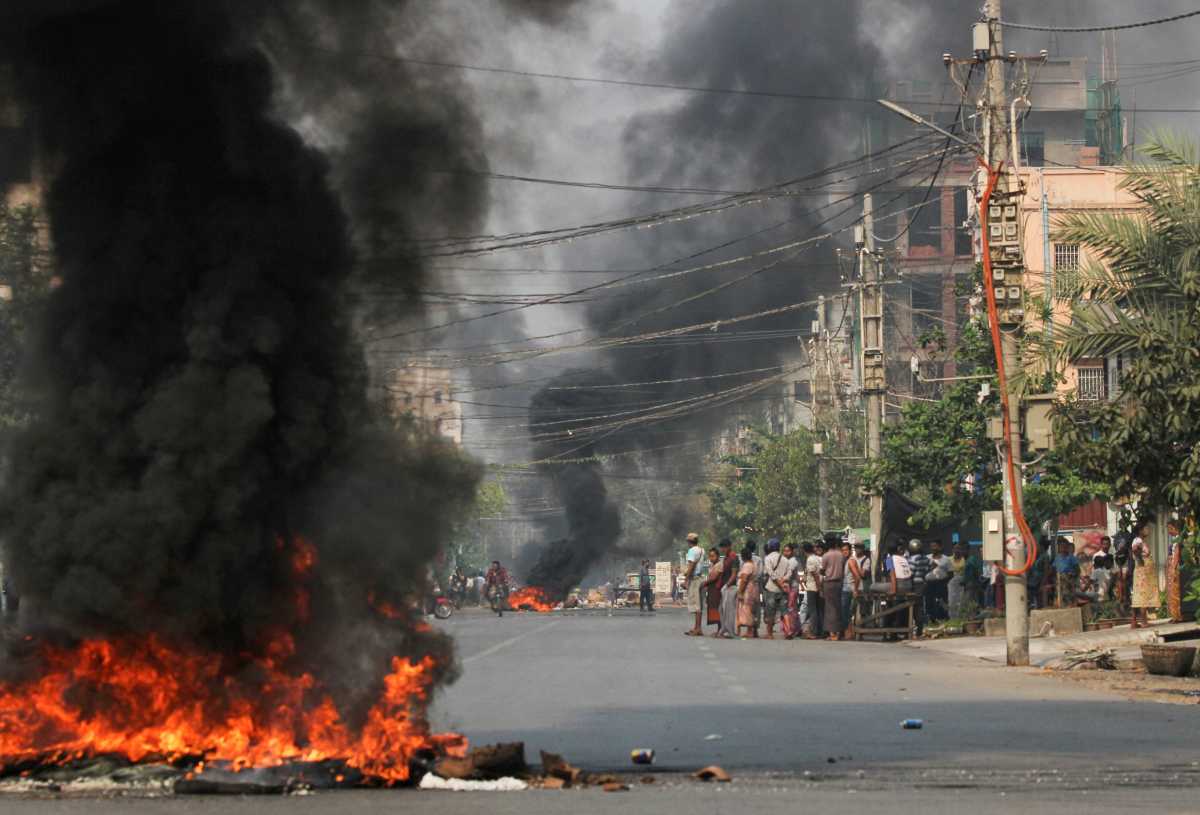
833 571
645 588
937 584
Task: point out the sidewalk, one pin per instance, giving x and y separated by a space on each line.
1044 649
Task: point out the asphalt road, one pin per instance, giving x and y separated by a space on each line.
593 686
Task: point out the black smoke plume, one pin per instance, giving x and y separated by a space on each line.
202 396
560 416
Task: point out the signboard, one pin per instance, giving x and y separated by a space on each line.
662 577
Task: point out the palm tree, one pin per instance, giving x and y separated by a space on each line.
1139 295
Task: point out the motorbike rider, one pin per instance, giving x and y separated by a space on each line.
496 579
458 587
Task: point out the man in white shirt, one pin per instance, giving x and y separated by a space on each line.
937 582
691 583
812 589
777 573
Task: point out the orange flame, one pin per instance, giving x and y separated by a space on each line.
531 598
144 700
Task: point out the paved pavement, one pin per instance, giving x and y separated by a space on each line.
1046 649
593 687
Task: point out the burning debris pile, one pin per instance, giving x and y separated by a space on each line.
532 599
217 542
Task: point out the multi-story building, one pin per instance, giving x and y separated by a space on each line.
1051 192
426 394
1072 121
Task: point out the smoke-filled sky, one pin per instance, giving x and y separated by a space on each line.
618 134
629 135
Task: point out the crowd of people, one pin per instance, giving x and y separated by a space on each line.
811 590
806 592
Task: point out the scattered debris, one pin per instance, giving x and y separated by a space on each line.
211 786
1091 659
713 773
831 760
647 779
642 756
483 763
601 780
555 766
508 784
615 786
551 782
713 737
912 724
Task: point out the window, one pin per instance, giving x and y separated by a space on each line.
925 221
963 238
1092 384
437 397
1066 257
407 398
1066 269
802 391
1033 148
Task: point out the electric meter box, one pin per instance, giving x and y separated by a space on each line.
993 536
1039 428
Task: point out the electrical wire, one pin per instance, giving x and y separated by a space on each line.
1142 24
633 275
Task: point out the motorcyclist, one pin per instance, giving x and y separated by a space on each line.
458 587
496 579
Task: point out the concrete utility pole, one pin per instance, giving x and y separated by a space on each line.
874 375
820 416
1016 607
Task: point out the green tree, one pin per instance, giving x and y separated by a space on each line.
939 453
774 487
1139 295
469 541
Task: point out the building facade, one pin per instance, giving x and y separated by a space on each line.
426 395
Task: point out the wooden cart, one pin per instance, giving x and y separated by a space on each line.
877 613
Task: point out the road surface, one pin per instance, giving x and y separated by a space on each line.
593 687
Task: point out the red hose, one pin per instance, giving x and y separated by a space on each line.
997 348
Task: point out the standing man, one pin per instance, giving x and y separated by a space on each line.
691 585
833 572
645 588
937 589
777 574
812 590
921 565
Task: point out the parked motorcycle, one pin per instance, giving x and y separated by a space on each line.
442 608
498 599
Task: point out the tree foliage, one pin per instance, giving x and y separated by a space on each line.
469 542
774 486
1139 296
939 453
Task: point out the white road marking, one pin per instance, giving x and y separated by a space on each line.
502 645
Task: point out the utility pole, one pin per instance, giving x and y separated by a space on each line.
822 396
1016 604
874 374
